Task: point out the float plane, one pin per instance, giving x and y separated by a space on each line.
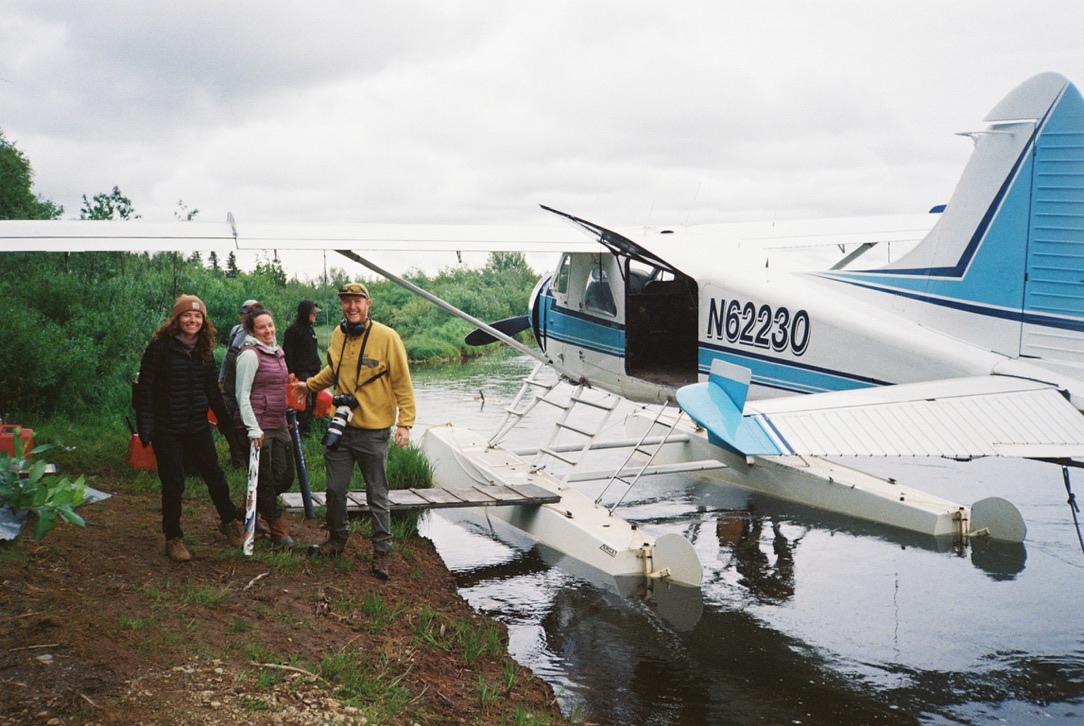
752 362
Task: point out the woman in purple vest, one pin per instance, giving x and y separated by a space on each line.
261 400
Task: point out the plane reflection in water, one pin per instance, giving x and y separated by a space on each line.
622 657
764 554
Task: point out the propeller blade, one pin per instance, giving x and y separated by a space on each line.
508 326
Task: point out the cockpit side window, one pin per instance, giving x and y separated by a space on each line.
564 272
598 297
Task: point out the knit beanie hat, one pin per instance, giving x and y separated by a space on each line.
188 302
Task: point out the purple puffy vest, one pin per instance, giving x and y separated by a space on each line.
269 388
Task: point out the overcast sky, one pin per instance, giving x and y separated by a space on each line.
622 112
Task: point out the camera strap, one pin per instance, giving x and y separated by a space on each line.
361 357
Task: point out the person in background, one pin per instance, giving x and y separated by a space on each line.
238 443
302 357
178 372
261 400
367 360
237 334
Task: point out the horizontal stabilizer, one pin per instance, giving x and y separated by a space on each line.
717 406
960 418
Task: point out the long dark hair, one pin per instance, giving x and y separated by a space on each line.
205 338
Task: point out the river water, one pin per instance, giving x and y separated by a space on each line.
803 617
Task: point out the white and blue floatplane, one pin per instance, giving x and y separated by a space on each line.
763 353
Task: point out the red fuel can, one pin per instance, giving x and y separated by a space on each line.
139 457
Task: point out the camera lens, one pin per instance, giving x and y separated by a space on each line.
335 429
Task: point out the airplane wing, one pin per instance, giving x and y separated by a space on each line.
960 418
675 249
143 236
800 233
684 249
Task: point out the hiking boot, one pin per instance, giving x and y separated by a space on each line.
176 551
380 565
332 547
261 526
280 536
234 531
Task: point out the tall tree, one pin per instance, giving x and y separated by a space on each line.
17 198
231 266
183 213
113 205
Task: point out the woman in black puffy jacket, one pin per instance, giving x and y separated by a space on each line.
178 382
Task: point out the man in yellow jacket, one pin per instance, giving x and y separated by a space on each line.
367 365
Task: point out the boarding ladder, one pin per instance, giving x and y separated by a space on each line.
649 449
533 390
537 390
600 407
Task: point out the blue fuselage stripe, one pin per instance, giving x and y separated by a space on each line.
608 338
785 375
1057 322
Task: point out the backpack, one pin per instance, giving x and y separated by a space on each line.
229 378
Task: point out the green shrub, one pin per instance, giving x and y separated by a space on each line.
106 305
25 487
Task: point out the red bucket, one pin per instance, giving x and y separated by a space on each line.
7 439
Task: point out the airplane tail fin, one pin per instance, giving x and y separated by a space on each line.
1003 267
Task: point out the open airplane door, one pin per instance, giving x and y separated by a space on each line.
661 343
638 306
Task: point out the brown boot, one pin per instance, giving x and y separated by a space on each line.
234 531
380 565
280 536
332 547
176 551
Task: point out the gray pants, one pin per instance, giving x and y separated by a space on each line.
369 448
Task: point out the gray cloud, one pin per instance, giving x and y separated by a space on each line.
637 112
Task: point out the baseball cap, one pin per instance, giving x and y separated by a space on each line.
354 288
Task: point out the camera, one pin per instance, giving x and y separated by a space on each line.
334 432
344 399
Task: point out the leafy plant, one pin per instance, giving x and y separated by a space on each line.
25 487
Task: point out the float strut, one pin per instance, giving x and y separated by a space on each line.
1073 506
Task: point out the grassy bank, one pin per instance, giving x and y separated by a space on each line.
272 638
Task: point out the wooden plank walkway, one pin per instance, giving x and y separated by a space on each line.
437 498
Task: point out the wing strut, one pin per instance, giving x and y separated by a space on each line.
571 375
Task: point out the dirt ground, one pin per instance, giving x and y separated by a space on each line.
97 626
